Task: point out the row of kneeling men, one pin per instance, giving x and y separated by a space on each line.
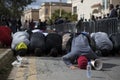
54 44
37 43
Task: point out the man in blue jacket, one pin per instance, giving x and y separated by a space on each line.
80 47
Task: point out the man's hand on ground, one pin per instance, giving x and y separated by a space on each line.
72 67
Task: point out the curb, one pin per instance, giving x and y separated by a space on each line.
5 57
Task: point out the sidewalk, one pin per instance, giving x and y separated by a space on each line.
47 68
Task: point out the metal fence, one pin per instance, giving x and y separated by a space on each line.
104 25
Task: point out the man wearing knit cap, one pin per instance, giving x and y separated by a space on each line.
80 47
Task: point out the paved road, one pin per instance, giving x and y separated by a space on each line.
47 68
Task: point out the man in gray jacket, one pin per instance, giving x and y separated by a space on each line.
103 43
80 47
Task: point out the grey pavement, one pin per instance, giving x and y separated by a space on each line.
49 68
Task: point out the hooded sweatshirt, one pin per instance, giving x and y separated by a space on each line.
19 37
102 41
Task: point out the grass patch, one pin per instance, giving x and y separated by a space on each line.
5 71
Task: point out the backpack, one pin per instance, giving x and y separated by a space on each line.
91 41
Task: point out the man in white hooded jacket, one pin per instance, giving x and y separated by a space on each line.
20 42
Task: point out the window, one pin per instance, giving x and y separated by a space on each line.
46 11
105 4
108 3
75 10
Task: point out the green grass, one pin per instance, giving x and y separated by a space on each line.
5 71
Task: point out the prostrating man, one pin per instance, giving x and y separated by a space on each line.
20 43
80 49
103 43
37 43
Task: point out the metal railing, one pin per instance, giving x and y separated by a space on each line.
104 25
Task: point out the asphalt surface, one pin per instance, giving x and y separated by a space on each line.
48 68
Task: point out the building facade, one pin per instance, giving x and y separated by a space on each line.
86 8
47 8
31 14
